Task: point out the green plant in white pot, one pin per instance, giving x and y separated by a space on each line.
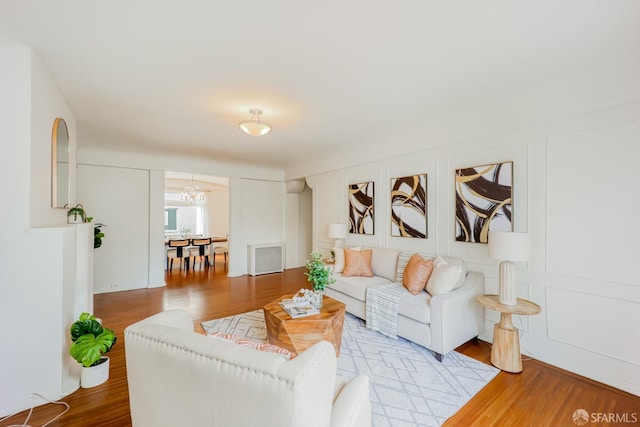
76 214
318 274
90 341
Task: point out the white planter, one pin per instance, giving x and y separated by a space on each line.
94 375
74 219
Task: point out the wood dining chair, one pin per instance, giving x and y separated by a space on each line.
178 250
220 248
202 250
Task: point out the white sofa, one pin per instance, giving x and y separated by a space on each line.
440 323
179 377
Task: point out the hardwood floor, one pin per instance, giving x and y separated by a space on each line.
541 395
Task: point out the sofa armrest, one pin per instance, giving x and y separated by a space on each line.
352 407
178 319
456 317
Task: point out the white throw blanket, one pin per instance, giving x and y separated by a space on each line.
382 308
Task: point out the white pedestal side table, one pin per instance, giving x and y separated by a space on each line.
505 351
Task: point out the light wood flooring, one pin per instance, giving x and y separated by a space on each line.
541 395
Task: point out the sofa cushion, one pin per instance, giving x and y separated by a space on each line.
357 263
445 277
416 307
416 274
383 262
355 286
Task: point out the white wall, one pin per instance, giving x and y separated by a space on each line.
299 215
157 254
43 115
257 215
34 301
574 190
218 212
118 198
132 252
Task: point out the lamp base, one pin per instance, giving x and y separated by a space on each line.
507 280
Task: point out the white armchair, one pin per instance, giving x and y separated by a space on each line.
179 377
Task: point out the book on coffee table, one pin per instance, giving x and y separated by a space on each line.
297 309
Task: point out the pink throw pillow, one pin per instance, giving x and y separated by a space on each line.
245 342
357 263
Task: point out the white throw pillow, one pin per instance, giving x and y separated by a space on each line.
444 278
338 256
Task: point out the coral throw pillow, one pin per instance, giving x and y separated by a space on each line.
261 346
357 263
416 274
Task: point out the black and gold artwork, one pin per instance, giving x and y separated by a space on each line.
361 208
409 206
483 201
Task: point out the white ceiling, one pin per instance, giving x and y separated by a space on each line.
177 76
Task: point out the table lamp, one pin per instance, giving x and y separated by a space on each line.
338 232
508 247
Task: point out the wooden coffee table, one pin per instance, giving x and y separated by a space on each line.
296 335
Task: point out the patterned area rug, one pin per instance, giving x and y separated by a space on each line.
409 387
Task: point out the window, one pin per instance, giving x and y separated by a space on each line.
183 219
170 219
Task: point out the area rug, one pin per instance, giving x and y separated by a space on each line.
409 387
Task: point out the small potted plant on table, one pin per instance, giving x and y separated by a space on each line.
319 275
90 341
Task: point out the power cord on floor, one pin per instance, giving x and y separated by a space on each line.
24 424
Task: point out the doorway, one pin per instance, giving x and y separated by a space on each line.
195 206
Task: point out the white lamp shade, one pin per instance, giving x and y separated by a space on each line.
509 246
255 127
337 231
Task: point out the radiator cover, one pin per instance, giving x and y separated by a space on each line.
265 258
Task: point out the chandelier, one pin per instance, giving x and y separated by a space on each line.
191 195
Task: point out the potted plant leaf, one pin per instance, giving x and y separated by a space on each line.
319 275
76 214
90 341
98 234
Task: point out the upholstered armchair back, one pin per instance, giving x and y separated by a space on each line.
179 377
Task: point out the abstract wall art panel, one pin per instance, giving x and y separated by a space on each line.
361 208
409 206
483 201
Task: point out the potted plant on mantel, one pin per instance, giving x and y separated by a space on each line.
319 275
90 341
76 214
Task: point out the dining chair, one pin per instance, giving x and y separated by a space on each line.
178 250
201 249
220 248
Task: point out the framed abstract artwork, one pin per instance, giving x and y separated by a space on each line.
409 206
361 208
483 201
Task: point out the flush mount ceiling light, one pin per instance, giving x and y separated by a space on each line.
255 126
